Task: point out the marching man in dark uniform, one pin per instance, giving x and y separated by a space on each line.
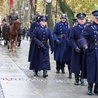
75 22
69 50
34 24
88 22
60 37
40 56
78 43
91 34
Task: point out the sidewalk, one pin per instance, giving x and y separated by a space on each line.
17 81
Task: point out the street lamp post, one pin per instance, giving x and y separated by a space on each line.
26 8
26 12
48 1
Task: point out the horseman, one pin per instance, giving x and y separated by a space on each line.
5 19
5 28
13 17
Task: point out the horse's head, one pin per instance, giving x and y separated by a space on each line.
17 24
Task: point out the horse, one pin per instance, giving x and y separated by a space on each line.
13 35
5 30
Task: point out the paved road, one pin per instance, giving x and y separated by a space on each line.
17 81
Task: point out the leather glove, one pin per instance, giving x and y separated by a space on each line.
42 46
57 41
85 47
52 52
77 50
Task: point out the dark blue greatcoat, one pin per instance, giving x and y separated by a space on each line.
33 26
77 40
40 56
60 49
91 34
68 51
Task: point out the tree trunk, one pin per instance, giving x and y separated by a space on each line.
49 14
36 1
19 4
66 9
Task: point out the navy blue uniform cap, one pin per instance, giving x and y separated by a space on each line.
95 13
43 18
81 15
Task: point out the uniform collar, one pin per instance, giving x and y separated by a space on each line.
95 26
64 23
95 23
81 26
43 27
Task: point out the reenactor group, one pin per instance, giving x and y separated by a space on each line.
76 47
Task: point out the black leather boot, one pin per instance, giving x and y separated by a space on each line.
58 71
58 67
35 73
62 64
76 79
82 81
63 71
45 73
96 89
19 44
90 85
70 75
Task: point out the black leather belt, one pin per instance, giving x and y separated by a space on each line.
44 41
93 42
62 35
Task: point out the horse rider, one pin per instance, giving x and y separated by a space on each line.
40 48
5 28
5 19
13 16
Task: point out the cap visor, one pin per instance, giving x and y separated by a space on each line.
96 16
